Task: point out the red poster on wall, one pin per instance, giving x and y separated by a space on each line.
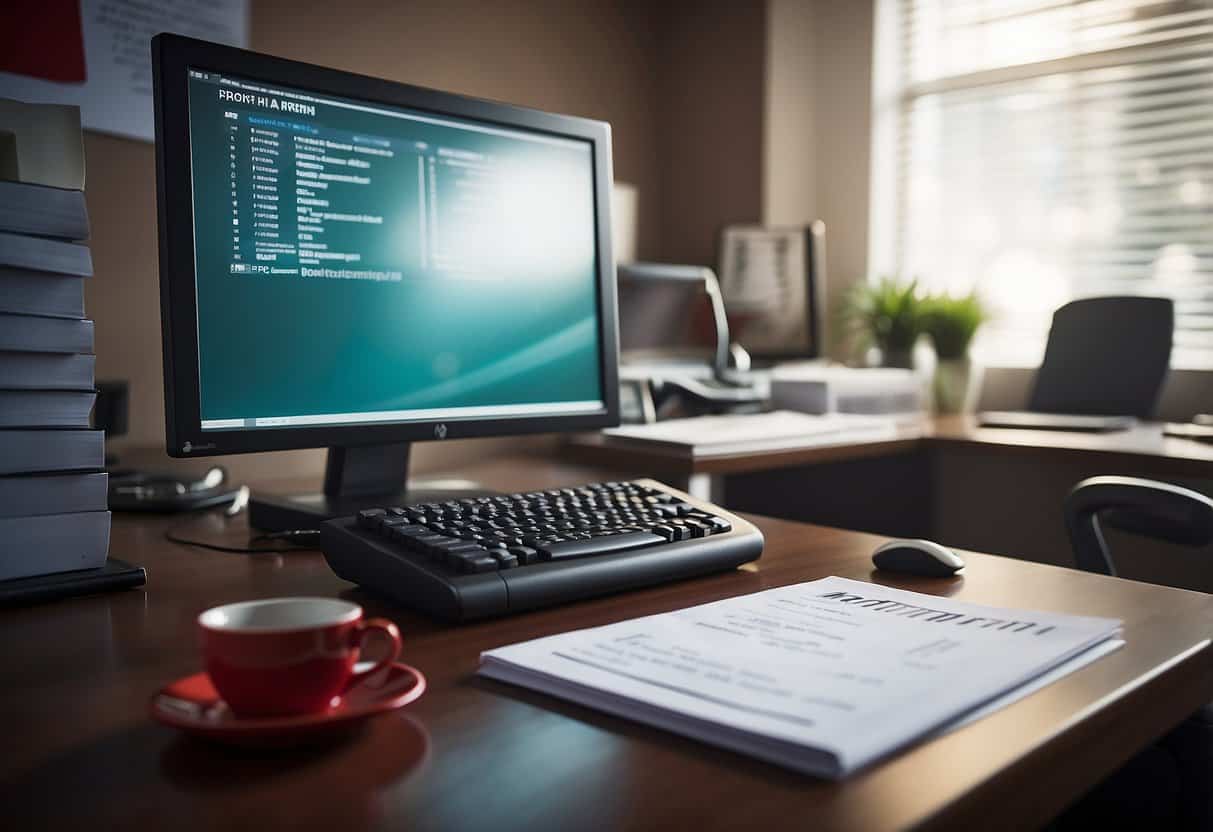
96 54
43 39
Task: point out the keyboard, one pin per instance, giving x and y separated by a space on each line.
474 558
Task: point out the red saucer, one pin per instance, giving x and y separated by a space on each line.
193 705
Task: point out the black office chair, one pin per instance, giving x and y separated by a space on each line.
1106 357
1170 784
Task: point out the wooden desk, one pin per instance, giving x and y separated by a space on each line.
989 489
1141 445
80 751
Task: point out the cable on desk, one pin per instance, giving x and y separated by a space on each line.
172 536
294 536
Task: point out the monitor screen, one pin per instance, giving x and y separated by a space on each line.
359 263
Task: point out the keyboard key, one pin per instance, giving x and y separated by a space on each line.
719 524
458 546
406 534
665 531
370 518
525 554
598 545
681 532
455 559
427 542
504 559
474 563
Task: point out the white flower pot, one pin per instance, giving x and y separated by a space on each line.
956 385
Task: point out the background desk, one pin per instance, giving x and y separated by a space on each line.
987 489
80 752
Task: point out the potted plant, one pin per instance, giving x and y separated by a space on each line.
951 323
886 314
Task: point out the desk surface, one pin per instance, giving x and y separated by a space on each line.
474 754
1144 443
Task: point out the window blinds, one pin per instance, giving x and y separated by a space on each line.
1049 150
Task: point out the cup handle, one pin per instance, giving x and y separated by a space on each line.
365 628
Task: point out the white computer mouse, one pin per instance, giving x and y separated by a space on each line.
917 557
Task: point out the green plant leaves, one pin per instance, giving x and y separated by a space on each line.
952 322
886 313
890 314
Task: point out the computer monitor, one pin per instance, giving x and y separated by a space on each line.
352 263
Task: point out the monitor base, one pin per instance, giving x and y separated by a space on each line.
367 476
285 512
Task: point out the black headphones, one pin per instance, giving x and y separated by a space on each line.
169 493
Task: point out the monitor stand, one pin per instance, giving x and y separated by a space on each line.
354 478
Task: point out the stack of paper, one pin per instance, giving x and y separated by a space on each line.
823 677
778 430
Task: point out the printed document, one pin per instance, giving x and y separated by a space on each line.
823 677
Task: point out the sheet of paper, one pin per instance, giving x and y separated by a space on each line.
1043 680
856 670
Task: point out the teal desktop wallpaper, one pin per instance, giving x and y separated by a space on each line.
350 261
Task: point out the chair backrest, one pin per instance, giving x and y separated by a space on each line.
1106 356
1146 507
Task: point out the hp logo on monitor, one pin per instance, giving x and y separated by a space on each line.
440 431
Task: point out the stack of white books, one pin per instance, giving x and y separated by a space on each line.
823 677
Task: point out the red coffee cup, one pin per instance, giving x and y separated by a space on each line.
288 656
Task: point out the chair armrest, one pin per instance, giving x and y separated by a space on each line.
1146 507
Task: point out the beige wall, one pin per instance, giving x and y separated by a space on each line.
789 162
819 116
843 44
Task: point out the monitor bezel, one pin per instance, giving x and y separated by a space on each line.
172 58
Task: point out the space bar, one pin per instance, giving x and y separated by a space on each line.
599 545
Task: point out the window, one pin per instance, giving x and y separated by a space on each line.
1042 150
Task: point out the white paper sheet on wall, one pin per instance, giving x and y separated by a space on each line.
624 224
117 95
